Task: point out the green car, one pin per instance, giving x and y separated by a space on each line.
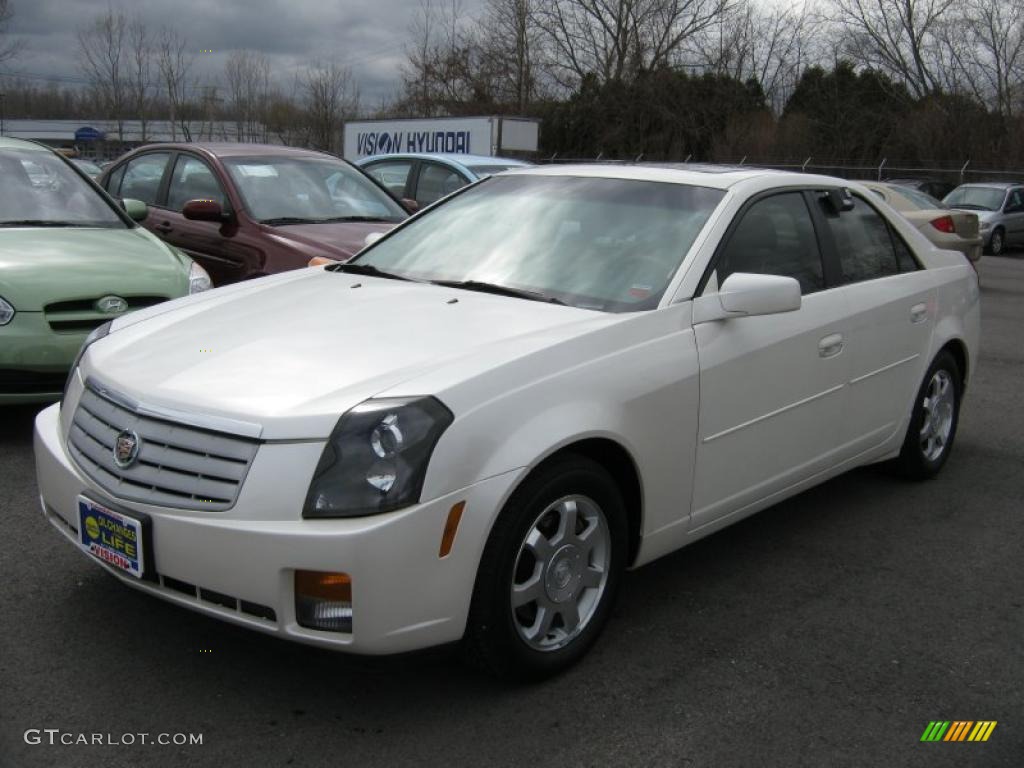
71 259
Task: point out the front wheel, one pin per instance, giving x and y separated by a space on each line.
933 421
549 572
997 242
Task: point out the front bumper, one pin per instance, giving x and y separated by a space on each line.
34 359
404 596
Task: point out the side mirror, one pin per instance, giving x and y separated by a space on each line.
410 205
372 238
136 209
203 210
746 295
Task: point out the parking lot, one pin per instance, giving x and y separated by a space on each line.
828 630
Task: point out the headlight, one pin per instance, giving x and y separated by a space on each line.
984 224
94 336
6 312
376 458
198 279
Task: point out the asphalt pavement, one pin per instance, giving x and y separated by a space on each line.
828 630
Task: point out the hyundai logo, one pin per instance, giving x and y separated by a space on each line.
126 448
111 305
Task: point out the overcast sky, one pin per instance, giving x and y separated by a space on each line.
368 35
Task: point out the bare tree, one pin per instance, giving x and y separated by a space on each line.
174 63
994 59
331 98
140 71
772 44
248 83
102 59
513 39
9 47
899 37
615 39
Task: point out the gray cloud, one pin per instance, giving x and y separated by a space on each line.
367 35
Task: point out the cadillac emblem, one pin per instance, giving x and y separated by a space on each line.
111 305
126 448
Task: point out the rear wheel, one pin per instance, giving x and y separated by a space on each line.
934 420
549 572
997 242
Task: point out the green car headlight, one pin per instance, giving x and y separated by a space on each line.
376 458
6 311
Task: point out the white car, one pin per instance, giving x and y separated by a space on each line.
472 429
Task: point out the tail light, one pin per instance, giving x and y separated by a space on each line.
944 224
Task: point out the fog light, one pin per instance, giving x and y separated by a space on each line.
323 600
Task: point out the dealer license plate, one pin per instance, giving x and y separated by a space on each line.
110 536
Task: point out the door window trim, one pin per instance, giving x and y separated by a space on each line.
828 271
161 188
226 208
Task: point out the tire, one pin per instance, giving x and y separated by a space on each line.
527 546
923 455
997 242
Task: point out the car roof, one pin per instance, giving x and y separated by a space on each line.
694 174
468 161
992 184
235 149
7 142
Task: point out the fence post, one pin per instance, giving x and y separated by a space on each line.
743 160
881 166
964 168
687 158
639 157
803 168
599 156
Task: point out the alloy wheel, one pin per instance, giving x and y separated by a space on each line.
938 404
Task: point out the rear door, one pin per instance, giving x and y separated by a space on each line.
892 307
772 388
435 181
216 246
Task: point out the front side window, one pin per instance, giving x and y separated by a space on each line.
921 201
193 180
775 237
38 189
282 189
1015 201
863 241
436 181
142 177
610 245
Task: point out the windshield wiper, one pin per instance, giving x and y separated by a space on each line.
500 290
289 220
334 219
354 268
43 223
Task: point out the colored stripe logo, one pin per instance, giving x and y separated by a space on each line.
958 730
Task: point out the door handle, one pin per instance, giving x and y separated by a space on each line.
830 346
919 313
164 227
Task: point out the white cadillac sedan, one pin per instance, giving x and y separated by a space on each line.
470 431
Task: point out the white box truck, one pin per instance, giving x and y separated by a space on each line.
455 135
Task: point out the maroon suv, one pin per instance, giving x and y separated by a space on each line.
245 210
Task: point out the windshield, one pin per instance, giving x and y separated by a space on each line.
38 189
978 198
282 189
596 243
920 200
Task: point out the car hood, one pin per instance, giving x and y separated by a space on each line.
293 352
39 266
341 240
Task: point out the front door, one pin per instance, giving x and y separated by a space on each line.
772 388
216 246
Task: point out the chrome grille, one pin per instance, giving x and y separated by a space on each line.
178 465
80 315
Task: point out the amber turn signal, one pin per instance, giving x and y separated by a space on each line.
323 600
319 261
451 527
